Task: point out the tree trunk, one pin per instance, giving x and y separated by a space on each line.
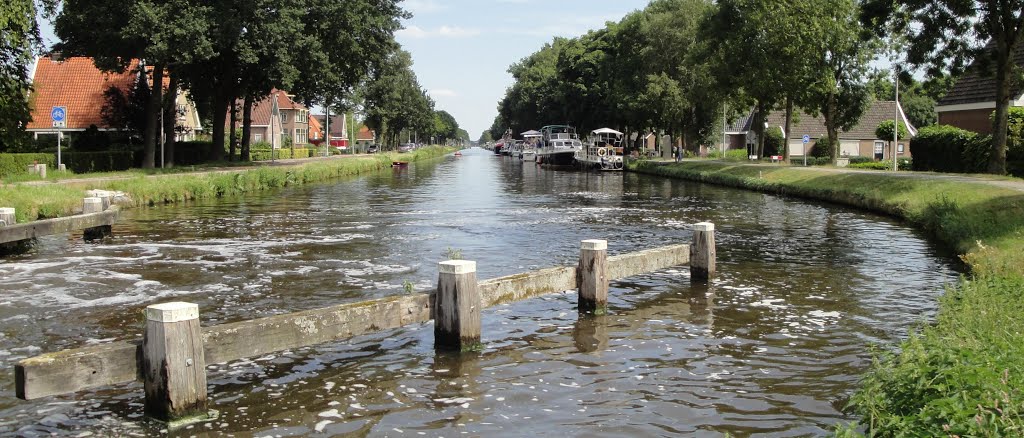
170 119
997 158
786 135
829 114
153 108
221 102
233 133
246 128
759 128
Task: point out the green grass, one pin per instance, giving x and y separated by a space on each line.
962 374
53 200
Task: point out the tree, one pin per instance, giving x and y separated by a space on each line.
126 111
950 34
395 101
486 137
19 41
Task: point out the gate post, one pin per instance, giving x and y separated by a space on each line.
702 252
7 217
457 307
173 364
592 276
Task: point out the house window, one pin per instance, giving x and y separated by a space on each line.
879 147
256 138
899 148
284 116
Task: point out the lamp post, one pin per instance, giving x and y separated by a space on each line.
896 124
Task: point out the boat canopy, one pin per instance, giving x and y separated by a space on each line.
605 131
531 133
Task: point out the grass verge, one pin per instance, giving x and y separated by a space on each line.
963 374
34 202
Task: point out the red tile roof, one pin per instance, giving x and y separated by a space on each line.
261 109
365 134
315 129
77 84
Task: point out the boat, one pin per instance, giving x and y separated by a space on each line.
532 139
603 150
458 153
558 145
399 163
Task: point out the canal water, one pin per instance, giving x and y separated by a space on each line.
773 347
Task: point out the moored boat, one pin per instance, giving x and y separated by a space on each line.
603 150
558 145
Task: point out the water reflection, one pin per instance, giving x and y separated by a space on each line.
771 347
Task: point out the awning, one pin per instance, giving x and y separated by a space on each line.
531 133
606 131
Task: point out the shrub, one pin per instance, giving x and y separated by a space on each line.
822 147
941 148
736 155
108 161
14 164
191 152
873 165
859 159
773 142
884 130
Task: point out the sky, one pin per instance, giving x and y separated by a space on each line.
462 49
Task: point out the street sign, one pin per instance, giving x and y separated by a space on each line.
58 114
60 124
807 139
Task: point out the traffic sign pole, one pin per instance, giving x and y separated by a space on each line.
807 139
59 115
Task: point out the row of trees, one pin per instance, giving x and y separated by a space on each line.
675 66
228 53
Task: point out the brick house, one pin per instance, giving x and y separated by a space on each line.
365 137
971 102
76 84
859 141
289 126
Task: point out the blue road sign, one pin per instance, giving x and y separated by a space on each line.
807 139
58 113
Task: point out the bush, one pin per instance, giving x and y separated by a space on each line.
773 142
108 161
873 165
941 148
884 130
821 148
14 164
736 155
188 153
859 159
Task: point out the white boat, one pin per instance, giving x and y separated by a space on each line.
558 145
532 139
603 150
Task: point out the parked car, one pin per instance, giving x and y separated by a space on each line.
372 149
406 147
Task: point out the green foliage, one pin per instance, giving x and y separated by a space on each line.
884 130
904 163
188 153
19 39
823 148
943 148
408 286
14 164
736 155
395 101
773 141
104 161
453 253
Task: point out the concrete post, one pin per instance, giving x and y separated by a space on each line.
6 217
592 277
92 205
41 170
702 252
32 169
173 365
457 307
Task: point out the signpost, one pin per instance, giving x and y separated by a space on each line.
807 139
59 115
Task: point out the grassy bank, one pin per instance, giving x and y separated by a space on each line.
53 200
963 374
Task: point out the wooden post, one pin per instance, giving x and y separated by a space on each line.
457 304
7 217
702 252
173 365
92 205
592 276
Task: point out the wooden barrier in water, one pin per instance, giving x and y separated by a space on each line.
98 215
176 387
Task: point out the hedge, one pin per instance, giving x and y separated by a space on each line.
108 161
943 148
11 164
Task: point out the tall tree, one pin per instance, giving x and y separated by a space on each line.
950 34
19 41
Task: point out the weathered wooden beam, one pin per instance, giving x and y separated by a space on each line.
74 370
173 364
633 264
702 253
457 307
34 229
593 279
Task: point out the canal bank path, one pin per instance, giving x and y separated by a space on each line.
991 180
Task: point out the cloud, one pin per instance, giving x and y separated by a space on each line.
442 92
443 31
